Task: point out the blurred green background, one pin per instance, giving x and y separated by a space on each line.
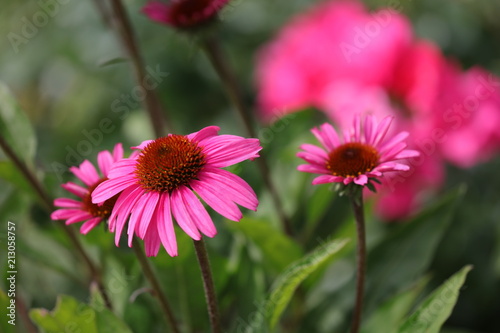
63 79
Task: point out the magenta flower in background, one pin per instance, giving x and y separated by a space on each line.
164 179
361 153
74 211
183 14
334 41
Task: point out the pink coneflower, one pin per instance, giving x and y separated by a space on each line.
161 182
84 210
360 155
183 13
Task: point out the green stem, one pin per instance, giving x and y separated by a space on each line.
151 101
47 203
224 71
155 284
208 284
357 206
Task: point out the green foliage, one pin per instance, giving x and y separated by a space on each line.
5 327
15 126
285 285
70 314
436 308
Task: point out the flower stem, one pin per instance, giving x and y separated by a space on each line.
208 284
155 284
151 101
47 203
218 60
357 205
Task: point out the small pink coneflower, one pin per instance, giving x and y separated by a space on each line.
74 211
183 14
161 181
361 154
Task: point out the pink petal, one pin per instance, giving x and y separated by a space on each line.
104 160
68 203
75 189
117 152
143 144
111 187
63 214
182 216
395 150
197 212
81 216
126 201
312 158
157 11
225 150
89 225
407 153
393 141
219 201
165 225
314 150
122 168
361 180
86 172
357 128
369 128
327 136
325 179
348 180
382 129
235 187
152 241
149 209
136 212
204 133
312 168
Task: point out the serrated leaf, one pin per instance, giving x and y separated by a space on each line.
436 308
15 126
285 285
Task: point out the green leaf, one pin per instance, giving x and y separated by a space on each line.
278 250
388 317
10 173
68 315
406 253
113 61
436 308
106 321
285 285
15 126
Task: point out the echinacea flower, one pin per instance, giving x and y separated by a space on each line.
164 179
361 154
74 211
183 14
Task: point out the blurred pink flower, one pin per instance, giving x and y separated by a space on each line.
468 111
363 152
333 41
84 210
183 13
164 179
